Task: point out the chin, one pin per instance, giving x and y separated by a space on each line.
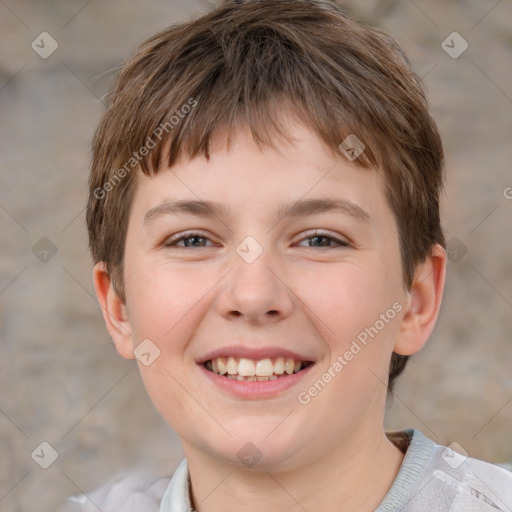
258 447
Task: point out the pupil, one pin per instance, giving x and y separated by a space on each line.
319 237
187 244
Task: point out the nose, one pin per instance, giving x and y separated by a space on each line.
256 292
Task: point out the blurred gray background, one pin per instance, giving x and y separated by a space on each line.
61 380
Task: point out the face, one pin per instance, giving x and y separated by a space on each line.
258 263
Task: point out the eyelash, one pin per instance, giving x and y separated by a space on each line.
317 233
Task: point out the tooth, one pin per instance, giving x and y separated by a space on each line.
221 364
249 370
279 366
264 368
232 366
246 367
288 365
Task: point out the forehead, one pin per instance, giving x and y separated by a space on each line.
292 175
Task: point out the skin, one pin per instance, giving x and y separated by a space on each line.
309 295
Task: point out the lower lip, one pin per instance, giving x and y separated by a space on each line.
256 389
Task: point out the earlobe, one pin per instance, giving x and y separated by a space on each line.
114 312
424 302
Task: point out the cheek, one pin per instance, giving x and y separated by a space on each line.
345 299
164 302
166 307
355 310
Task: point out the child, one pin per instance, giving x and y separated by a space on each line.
232 146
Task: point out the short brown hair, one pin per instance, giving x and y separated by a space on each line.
252 62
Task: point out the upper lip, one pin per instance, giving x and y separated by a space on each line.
256 354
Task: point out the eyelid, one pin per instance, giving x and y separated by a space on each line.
342 241
178 237
172 241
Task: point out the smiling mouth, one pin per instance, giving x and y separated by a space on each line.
255 371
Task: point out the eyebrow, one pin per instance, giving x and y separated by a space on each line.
299 208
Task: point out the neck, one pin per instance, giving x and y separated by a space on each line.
353 476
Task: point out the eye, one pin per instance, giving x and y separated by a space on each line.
324 239
190 239
198 239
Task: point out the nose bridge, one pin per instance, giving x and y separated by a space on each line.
253 288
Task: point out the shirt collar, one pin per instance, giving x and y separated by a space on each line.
177 495
420 451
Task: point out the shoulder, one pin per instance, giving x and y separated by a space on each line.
435 477
494 480
135 491
473 483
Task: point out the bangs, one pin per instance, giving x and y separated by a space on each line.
269 126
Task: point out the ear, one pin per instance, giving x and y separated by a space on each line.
114 312
423 304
